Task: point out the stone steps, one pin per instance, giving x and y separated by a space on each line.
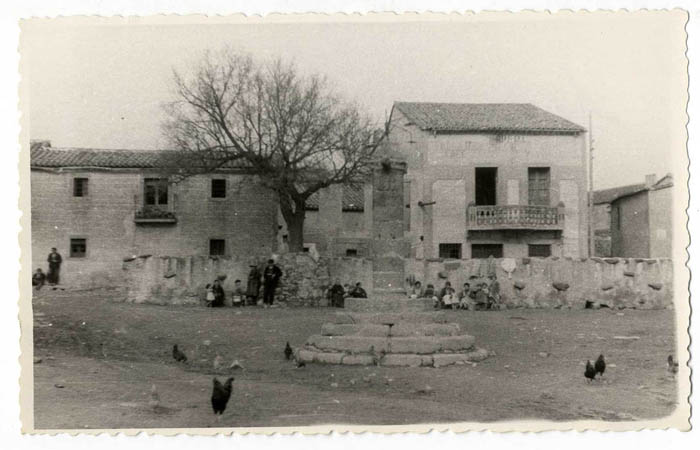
390 318
381 345
388 304
393 359
398 330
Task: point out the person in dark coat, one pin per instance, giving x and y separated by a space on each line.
55 261
337 295
218 294
358 291
271 275
253 288
38 279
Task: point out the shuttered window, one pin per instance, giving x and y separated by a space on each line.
538 186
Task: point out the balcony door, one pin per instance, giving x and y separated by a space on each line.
538 180
485 179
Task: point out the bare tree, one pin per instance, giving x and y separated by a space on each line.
290 129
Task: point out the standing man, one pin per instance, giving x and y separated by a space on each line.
271 276
55 261
253 287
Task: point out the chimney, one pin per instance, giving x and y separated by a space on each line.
650 180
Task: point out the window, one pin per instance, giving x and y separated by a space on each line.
539 250
155 191
351 252
218 188
486 250
78 248
306 249
450 251
217 247
80 187
538 186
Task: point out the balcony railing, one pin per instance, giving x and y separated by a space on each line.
515 217
154 215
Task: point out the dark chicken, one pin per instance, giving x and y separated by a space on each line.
600 365
288 352
221 395
178 355
590 371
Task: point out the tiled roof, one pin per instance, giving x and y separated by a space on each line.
485 117
353 199
610 195
51 157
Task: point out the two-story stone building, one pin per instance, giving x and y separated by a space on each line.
502 180
98 207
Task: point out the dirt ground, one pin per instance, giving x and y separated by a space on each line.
99 358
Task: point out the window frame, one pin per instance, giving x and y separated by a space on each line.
457 245
212 190
484 245
84 183
70 247
158 183
211 241
531 246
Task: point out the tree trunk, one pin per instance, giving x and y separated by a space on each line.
294 218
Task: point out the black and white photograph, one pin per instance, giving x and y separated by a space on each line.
331 223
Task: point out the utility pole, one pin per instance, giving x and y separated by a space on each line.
591 225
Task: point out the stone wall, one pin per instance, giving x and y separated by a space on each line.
560 282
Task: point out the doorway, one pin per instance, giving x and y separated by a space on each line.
485 185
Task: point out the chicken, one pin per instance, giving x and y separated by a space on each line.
288 352
301 364
590 372
154 402
178 355
600 365
221 395
672 365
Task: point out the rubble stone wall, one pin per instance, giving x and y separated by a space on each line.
559 282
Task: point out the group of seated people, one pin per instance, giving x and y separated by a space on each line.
337 293
480 296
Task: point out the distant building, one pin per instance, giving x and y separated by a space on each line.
502 180
99 206
602 201
641 220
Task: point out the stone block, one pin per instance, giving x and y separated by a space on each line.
305 355
402 360
426 360
456 343
359 360
409 329
391 318
415 345
328 358
350 344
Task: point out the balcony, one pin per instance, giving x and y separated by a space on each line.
515 217
154 215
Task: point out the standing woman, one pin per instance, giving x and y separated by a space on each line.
218 294
253 288
55 261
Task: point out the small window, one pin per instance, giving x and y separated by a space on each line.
539 250
217 247
351 252
218 188
155 191
306 250
78 248
80 187
450 251
485 250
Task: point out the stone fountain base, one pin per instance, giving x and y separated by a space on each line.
416 336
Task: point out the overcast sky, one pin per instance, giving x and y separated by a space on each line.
103 86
